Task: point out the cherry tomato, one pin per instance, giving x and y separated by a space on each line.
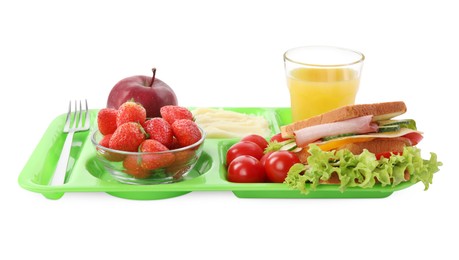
246 169
243 148
263 159
278 164
258 139
278 138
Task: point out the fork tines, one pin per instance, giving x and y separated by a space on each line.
80 119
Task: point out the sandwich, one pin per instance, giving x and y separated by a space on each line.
358 146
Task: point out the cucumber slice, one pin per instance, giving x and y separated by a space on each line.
276 146
388 128
404 123
387 122
296 150
328 138
288 146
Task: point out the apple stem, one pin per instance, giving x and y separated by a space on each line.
153 78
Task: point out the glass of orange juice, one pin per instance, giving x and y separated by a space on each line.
321 78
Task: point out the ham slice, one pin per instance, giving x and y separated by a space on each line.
358 125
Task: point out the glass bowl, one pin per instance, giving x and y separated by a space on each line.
148 167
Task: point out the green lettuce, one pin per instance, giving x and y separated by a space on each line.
362 170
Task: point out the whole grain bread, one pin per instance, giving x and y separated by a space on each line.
380 111
376 146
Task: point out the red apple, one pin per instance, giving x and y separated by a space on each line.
151 92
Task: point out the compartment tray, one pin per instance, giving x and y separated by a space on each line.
84 174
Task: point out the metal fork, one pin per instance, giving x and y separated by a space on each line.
77 123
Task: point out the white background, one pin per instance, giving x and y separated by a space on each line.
224 53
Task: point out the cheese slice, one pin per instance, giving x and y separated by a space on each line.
335 143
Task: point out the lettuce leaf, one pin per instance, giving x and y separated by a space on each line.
362 170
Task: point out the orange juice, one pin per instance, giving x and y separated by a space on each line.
314 91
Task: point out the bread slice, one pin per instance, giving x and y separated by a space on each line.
380 111
376 146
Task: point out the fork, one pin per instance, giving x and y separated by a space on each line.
73 124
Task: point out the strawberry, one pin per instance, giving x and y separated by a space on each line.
131 111
175 144
160 130
183 162
127 137
172 113
185 156
106 120
155 160
111 156
132 167
105 140
186 131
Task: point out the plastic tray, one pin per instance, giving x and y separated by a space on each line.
209 174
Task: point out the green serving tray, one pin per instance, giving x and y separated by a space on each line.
209 174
